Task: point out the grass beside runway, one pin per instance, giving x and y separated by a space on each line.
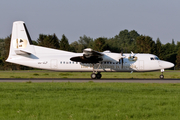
89 101
51 74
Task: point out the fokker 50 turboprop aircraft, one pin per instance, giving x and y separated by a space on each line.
23 52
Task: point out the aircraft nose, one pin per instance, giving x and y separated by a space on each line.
165 64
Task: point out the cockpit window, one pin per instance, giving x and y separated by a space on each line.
154 58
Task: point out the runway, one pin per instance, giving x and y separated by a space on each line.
89 80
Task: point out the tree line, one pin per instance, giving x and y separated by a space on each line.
126 40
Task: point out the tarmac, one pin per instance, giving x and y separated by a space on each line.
107 80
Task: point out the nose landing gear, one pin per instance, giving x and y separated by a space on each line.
161 76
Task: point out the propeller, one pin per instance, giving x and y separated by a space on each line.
132 57
132 53
122 59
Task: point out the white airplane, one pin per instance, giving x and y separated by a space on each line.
23 52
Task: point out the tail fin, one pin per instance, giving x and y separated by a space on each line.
21 42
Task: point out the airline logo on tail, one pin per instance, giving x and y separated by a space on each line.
19 43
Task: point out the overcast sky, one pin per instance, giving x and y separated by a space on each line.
93 18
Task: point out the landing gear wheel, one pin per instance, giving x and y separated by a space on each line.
93 76
98 75
161 76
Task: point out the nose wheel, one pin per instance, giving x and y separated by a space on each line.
96 76
161 76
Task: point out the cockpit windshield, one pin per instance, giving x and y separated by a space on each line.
154 58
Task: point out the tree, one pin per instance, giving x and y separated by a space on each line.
50 41
7 46
55 41
178 57
159 48
85 41
100 45
64 44
168 54
173 47
8 66
124 40
178 45
133 35
34 42
145 44
75 47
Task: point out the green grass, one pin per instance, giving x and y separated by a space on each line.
89 101
51 74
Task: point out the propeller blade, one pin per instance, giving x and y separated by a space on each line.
122 59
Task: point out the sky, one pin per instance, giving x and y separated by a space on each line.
93 18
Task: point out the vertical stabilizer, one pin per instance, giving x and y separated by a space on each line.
21 43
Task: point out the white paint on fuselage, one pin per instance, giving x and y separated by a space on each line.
58 60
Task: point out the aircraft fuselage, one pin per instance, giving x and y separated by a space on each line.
60 61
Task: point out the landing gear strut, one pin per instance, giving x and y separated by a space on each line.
94 75
161 76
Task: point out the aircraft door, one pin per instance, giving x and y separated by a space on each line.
141 65
54 64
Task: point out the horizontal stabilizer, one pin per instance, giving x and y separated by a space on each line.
22 52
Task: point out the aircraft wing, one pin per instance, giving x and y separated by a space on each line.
89 56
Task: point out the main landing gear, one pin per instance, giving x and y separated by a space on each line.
96 75
161 76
